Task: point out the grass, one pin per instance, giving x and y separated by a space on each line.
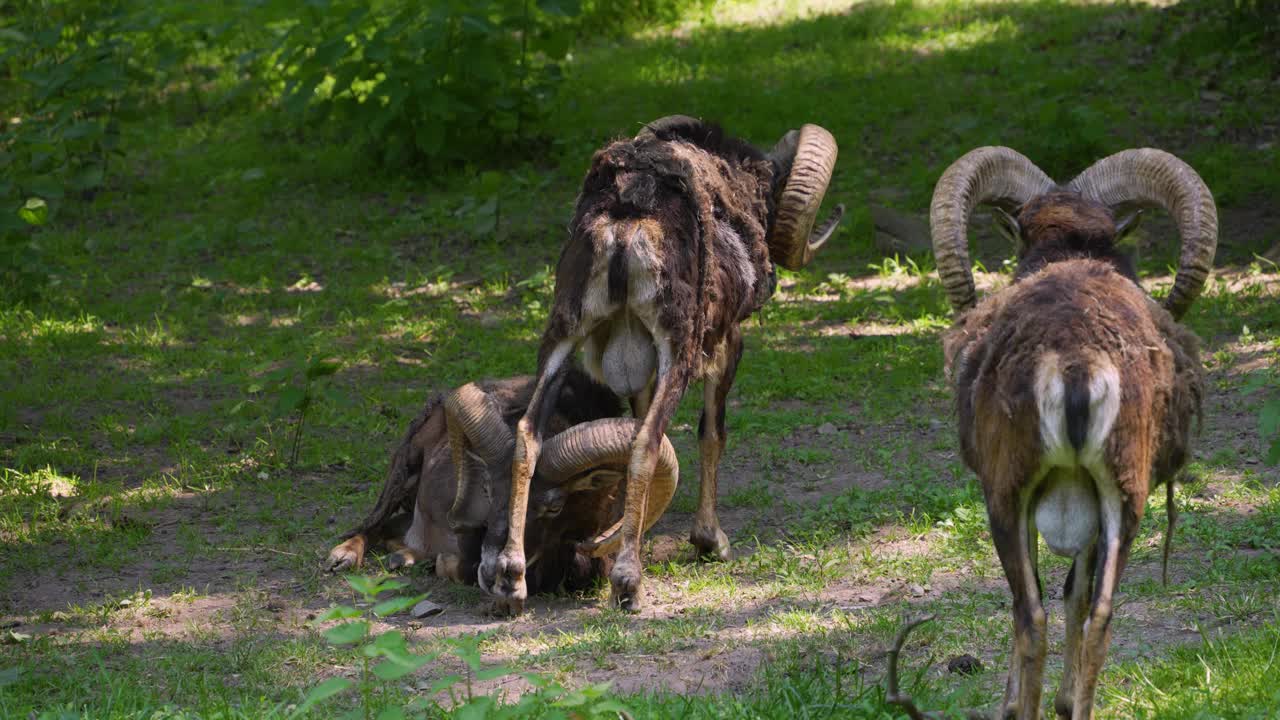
142 460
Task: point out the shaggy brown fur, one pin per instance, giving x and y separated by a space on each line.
675 222
422 472
1079 309
1073 323
1061 226
690 196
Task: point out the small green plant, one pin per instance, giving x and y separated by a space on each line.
1269 428
896 266
296 386
385 658
389 649
22 267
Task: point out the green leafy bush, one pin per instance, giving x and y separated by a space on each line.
69 71
448 81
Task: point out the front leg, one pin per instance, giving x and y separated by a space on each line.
624 579
707 536
504 575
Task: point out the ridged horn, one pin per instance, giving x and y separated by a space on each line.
1153 177
474 422
808 156
607 443
996 175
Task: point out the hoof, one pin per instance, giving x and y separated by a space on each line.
508 583
711 544
347 555
400 559
506 608
625 593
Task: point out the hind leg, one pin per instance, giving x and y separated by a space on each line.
1014 540
707 536
1075 595
402 556
1119 526
624 578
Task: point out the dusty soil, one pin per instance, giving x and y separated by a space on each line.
247 588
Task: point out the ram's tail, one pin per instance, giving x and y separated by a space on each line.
1078 403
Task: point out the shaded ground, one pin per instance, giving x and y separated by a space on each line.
193 577
158 549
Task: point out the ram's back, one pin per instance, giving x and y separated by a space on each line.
1075 328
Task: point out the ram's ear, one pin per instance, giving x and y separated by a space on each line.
1007 226
599 479
1127 225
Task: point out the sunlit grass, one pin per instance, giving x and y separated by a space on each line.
229 250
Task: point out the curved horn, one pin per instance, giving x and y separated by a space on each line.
808 157
1154 177
475 425
471 410
591 445
996 175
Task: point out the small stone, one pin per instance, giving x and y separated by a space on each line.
866 597
964 665
916 590
426 609
826 429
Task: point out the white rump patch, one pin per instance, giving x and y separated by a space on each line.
1104 406
1076 496
1051 405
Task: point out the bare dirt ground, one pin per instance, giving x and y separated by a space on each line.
691 636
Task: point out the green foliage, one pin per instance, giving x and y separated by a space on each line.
1269 422
22 267
296 386
617 17
443 81
380 699
71 74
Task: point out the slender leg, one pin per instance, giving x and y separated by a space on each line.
1011 538
671 383
707 535
1076 594
503 576
1117 536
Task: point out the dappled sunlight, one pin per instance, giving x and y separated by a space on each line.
969 36
159 535
18 325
